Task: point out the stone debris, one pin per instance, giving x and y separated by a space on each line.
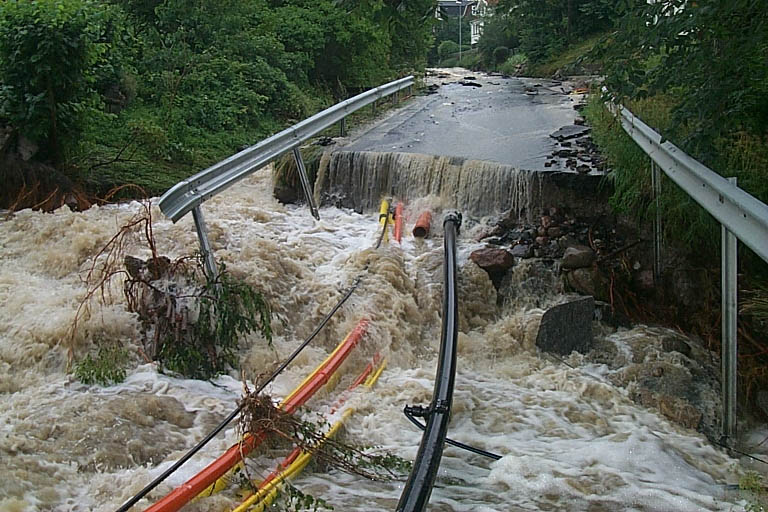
567 327
570 132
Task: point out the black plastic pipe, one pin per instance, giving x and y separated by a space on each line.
419 486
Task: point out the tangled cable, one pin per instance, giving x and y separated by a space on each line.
131 502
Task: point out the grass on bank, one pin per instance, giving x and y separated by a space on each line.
567 61
688 228
685 222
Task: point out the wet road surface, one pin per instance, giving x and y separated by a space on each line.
506 120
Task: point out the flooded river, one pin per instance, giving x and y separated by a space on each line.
568 440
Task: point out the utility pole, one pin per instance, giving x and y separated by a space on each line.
460 13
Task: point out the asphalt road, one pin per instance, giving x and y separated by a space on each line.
507 120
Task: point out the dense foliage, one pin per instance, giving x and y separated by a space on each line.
145 91
710 54
539 29
50 53
696 72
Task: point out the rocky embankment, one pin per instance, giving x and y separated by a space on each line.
564 256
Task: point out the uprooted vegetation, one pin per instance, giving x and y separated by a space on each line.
260 415
191 323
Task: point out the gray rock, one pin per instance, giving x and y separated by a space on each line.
567 241
285 194
521 251
570 132
554 232
578 256
675 344
588 281
567 327
26 148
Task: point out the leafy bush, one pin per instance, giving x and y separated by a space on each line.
49 51
105 368
206 346
500 54
447 48
511 65
471 60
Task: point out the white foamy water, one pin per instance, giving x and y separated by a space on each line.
568 441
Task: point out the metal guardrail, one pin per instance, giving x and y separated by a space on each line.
741 216
192 192
744 215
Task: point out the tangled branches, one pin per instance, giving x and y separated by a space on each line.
191 324
259 414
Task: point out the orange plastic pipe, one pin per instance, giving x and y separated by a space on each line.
398 222
297 450
215 470
421 228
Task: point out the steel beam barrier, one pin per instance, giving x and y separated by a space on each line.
193 191
744 215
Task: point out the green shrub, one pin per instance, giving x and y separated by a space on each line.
447 48
511 65
500 55
105 368
49 56
227 309
471 60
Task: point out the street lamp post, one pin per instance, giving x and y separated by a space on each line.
460 13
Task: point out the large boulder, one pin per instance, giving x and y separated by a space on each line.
493 260
668 371
578 256
567 327
588 281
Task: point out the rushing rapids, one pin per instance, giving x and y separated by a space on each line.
569 440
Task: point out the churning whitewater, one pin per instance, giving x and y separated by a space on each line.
569 440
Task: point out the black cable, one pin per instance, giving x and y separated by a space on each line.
418 488
128 504
722 445
157 481
408 411
384 229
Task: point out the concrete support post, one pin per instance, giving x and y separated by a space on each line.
205 246
305 183
729 333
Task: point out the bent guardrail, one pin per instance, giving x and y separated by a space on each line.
189 194
741 216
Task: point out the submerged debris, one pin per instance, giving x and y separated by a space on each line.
261 415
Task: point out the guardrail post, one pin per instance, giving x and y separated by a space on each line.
305 183
656 185
343 127
394 98
729 334
205 246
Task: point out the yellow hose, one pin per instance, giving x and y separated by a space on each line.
264 497
223 482
383 217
